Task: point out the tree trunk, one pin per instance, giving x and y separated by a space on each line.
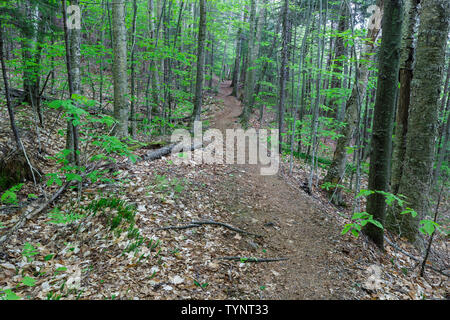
423 119
337 168
120 68
283 73
200 63
8 100
340 52
250 72
133 73
387 87
237 61
406 74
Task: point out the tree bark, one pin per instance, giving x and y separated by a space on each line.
422 128
380 157
407 58
283 73
337 168
120 68
200 63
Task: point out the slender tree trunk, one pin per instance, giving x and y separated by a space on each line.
250 72
340 51
283 72
200 62
315 115
301 84
380 156
237 61
8 99
133 73
73 56
120 68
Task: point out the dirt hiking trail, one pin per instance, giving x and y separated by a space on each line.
291 225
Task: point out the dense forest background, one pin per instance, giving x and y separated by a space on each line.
91 92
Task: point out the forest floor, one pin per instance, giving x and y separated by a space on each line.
84 260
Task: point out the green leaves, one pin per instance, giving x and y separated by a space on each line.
29 251
73 176
360 219
10 196
411 211
59 217
29 282
9 295
53 179
428 227
389 197
203 285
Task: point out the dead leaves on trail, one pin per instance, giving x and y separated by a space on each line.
85 260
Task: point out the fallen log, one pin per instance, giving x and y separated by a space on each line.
173 148
19 96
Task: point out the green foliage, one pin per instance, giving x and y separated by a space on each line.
330 186
29 251
58 217
89 128
360 219
201 285
168 186
123 211
427 227
10 195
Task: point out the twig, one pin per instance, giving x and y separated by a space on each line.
254 260
196 224
210 222
188 226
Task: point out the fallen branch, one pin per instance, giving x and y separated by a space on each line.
254 260
196 224
188 226
210 222
173 148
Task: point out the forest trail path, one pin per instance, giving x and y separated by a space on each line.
292 224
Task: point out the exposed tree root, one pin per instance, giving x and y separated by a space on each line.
196 224
254 260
